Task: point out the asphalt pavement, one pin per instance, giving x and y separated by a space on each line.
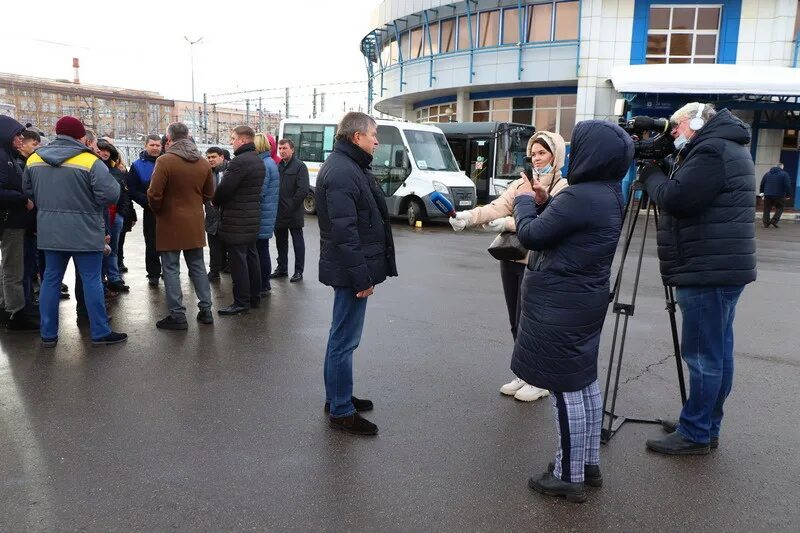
221 427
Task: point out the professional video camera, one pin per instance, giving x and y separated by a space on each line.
651 139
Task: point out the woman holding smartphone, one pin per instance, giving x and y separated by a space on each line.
546 151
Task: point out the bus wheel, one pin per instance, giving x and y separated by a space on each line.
415 212
310 205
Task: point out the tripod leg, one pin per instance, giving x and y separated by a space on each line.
676 344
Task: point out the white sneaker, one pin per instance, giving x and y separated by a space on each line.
529 393
510 389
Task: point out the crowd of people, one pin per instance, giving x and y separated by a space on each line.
557 294
73 198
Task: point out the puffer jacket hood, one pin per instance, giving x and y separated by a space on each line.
9 128
62 148
600 151
556 144
186 150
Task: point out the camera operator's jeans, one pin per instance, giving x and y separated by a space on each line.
707 349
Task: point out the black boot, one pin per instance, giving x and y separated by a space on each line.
677 444
355 424
21 321
170 322
591 474
550 486
360 405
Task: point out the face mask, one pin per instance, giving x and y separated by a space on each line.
545 170
680 142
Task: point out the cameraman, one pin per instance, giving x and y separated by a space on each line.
707 250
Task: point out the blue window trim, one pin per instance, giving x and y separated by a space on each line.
434 101
728 28
402 37
533 91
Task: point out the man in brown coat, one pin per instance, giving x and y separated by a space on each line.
181 184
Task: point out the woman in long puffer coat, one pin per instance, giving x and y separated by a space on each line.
269 208
565 293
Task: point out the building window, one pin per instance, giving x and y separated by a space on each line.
566 24
683 34
489 32
554 112
448 30
553 21
511 26
463 31
437 113
416 43
432 47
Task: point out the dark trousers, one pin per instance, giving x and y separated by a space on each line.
120 246
299 245
511 274
265 261
152 258
769 203
245 273
30 270
216 252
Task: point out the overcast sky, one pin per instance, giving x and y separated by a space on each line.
245 45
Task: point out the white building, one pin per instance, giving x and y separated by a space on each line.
551 63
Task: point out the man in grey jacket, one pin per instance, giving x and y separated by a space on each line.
71 186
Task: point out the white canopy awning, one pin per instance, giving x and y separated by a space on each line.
707 79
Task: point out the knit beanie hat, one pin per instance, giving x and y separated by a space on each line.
70 126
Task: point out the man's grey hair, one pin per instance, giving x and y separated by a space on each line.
91 136
177 131
690 111
352 123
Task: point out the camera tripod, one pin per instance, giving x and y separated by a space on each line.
612 421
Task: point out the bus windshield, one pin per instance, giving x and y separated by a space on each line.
511 151
431 151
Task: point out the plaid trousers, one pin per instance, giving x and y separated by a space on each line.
579 418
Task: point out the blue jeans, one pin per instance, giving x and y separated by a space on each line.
111 261
89 267
345 335
707 349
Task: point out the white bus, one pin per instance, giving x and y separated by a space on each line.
411 162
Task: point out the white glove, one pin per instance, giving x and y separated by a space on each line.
460 221
497 225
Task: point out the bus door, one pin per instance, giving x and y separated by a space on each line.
480 165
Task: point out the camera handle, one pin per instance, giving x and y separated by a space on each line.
612 421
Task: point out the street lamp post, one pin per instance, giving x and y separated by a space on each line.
191 58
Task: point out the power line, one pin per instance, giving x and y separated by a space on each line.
292 87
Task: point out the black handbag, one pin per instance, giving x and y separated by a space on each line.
506 247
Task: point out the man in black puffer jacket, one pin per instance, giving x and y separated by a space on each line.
239 197
356 254
707 250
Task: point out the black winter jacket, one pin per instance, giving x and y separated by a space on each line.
239 197
706 232
293 190
776 183
356 243
566 285
124 204
13 211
